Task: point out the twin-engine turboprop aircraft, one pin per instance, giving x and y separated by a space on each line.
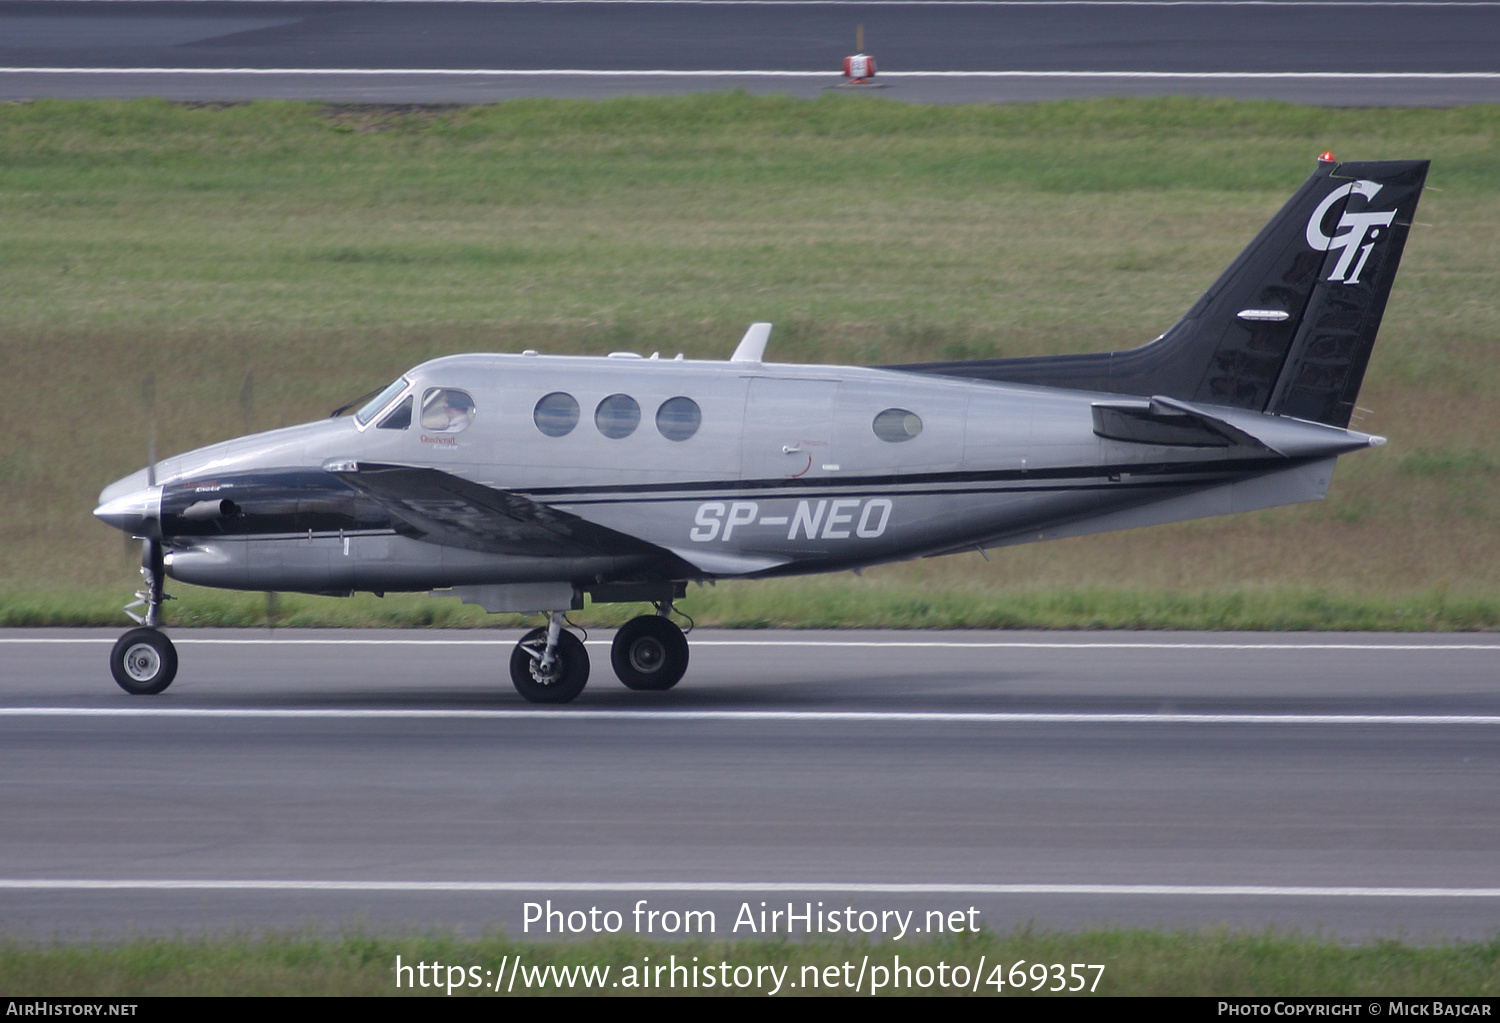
529 482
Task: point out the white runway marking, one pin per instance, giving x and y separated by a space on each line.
914 644
925 3
1228 76
842 887
780 716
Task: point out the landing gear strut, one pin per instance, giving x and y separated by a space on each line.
650 652
144 661
549 665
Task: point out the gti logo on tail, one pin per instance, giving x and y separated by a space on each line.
1355 228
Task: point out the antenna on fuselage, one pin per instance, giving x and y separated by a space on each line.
753 345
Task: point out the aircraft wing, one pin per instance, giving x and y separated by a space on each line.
455 512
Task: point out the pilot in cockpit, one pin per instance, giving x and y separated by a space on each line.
447 410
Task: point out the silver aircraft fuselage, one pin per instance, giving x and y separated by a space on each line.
785 475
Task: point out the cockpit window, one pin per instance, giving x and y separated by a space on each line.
364 415
398 418
447 410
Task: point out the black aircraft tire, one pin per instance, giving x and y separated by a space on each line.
649 653
143 662
570 673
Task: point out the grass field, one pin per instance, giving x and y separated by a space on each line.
1216 963
263 263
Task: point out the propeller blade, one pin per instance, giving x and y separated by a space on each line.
247 400
151 557
148 394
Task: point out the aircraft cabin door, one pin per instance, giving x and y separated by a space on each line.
789 429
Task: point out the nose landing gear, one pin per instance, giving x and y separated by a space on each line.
144 661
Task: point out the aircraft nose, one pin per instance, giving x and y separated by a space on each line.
130 512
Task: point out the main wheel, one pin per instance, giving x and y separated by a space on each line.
649 652
143 662
569 674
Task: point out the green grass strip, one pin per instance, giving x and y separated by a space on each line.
819 604
262 263
1215 963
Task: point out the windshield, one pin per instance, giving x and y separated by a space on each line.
380 401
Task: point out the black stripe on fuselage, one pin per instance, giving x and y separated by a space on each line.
852 492
1222 471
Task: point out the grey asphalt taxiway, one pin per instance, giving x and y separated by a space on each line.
1326 52
394 780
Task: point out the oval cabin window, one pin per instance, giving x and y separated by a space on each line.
617 416
556 414
895 425
678 418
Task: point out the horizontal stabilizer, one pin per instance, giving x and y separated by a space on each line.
1167 421
1157 422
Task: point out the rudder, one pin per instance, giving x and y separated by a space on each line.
1362 226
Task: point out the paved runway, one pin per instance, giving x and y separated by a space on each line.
1332 53
394 779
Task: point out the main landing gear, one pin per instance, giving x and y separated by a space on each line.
144 661
550 665
650 652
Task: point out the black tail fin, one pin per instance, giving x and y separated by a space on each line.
1288 328
1326 364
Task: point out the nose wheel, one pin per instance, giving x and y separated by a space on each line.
650 653
143 662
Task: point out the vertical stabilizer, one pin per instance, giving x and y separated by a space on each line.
1362 226
1287 328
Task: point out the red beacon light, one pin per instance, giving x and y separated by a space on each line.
1326 157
